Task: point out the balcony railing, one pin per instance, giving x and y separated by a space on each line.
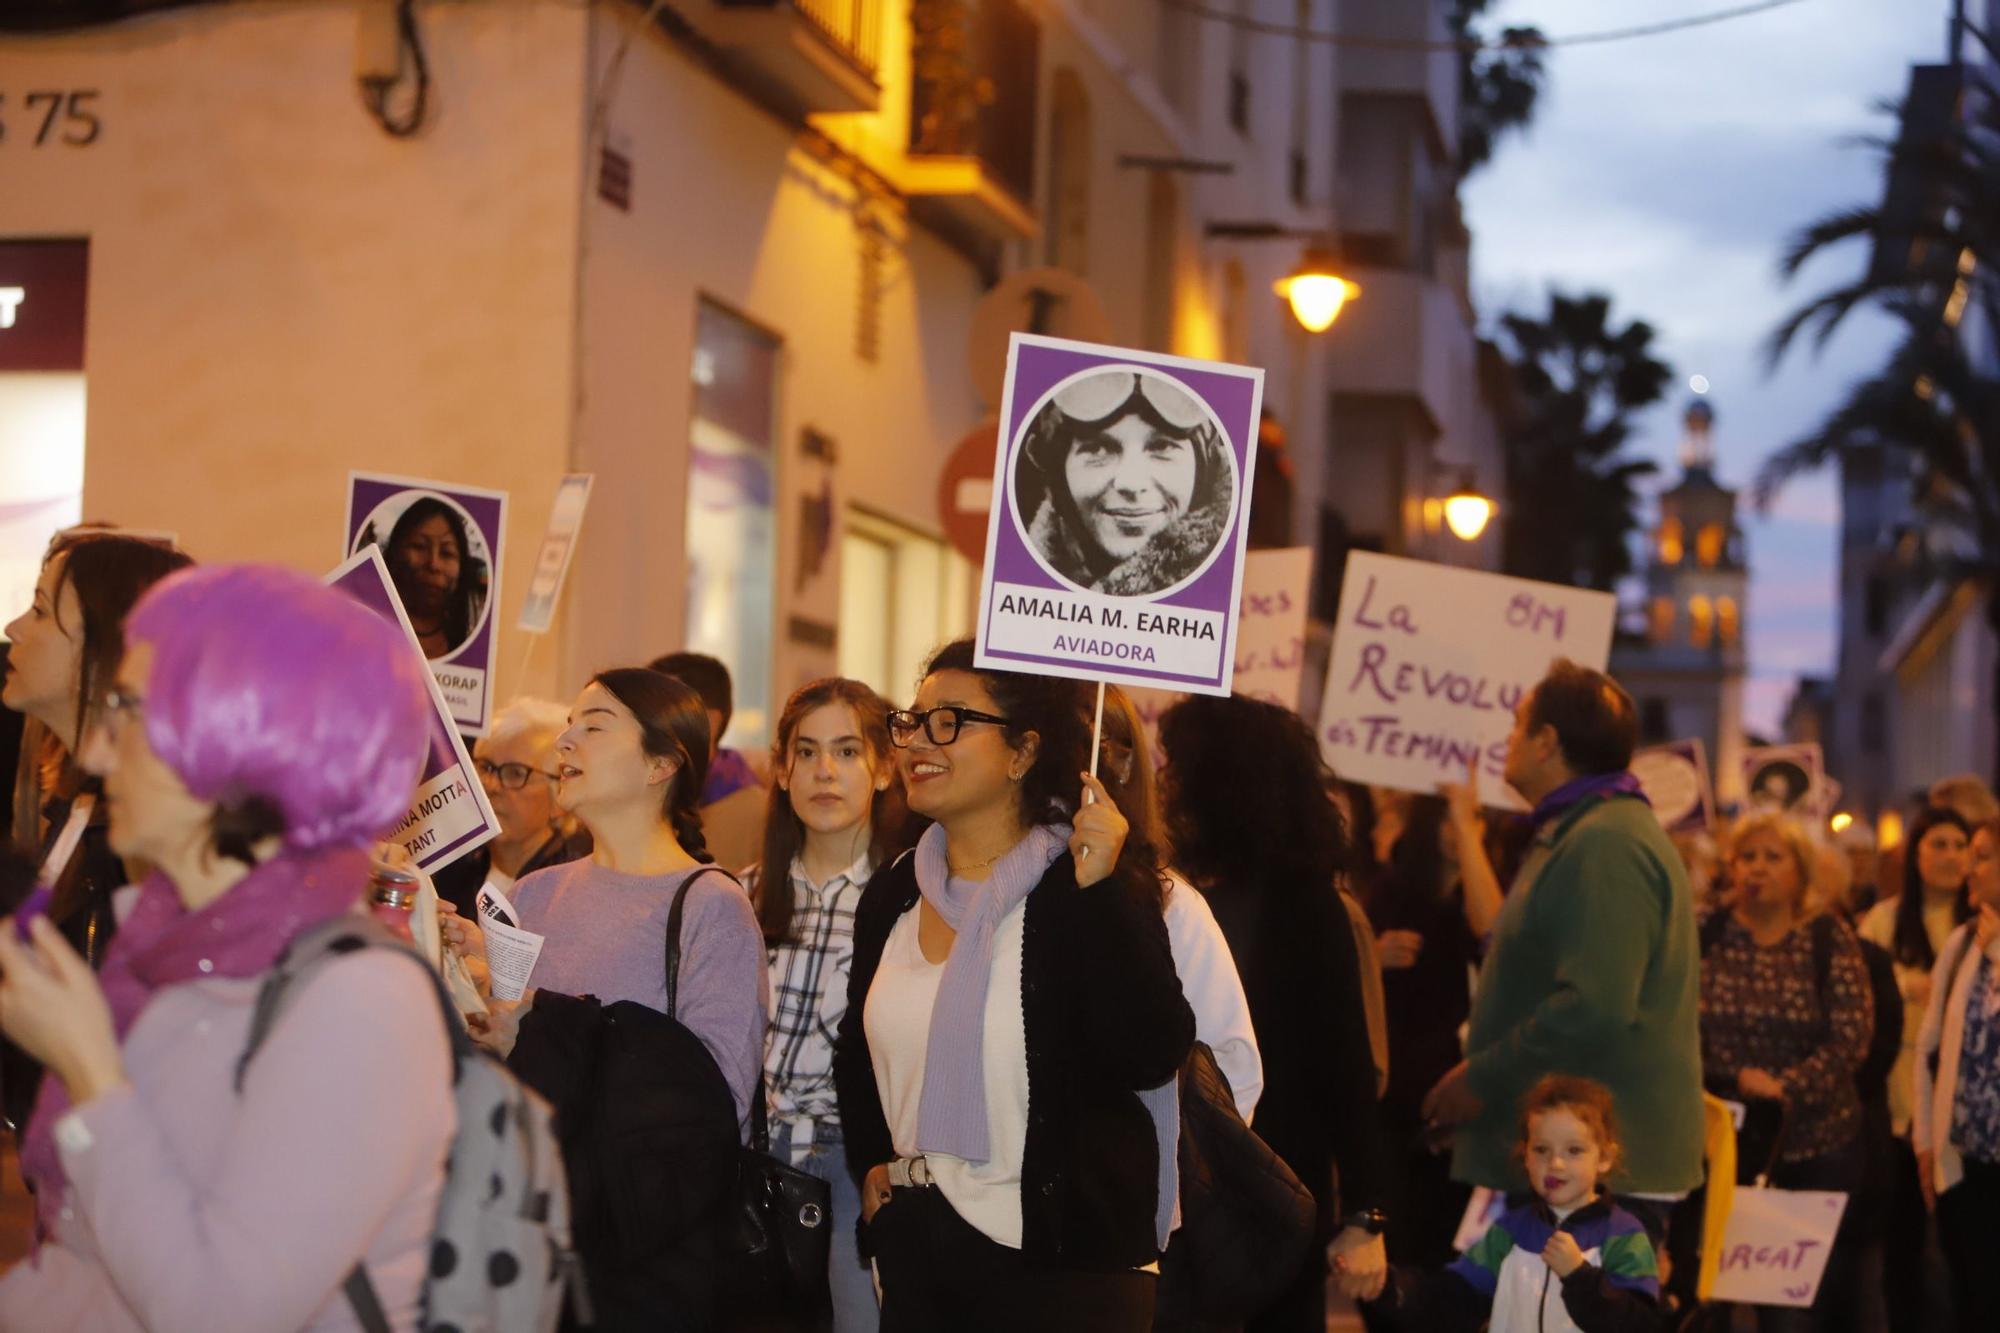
973 95
851 27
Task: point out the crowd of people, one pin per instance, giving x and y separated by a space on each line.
965 962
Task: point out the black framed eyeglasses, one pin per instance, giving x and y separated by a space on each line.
942 725
511 776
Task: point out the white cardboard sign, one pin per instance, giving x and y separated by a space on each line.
1430 660
1775 1244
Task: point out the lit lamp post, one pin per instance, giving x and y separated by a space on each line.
1467 511
1315 291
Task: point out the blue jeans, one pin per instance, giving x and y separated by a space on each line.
854 1308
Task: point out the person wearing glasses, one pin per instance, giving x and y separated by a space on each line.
1006 1064
1125 483
176 1186
516 760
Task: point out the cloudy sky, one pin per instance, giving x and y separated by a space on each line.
1668 171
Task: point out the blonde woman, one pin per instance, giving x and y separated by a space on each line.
1786 1017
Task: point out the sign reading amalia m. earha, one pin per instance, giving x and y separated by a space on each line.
1121 503
1429 662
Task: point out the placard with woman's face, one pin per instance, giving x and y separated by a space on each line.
1115 547
441 545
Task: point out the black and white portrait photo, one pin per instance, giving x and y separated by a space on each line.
1124 482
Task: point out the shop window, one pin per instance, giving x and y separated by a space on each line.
902 593
731 530
43 292
1726 623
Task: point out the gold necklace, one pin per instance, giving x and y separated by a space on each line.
962 871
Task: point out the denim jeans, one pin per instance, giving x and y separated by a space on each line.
854 1308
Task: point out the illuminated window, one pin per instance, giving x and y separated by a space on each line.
1708 545
1725 620
1663 619
1701 621
1672 542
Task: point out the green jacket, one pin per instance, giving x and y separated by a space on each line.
1593 970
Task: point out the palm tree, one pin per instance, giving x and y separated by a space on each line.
1498 85
1933 409
1570 500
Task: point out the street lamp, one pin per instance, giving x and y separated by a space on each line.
1316 292
1467 510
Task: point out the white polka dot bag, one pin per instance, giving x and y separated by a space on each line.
500 1254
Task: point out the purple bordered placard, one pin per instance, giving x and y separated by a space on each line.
449 814
1675 779
1143 587
465 672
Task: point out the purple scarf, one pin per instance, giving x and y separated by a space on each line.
161 943
1578 790
952 1113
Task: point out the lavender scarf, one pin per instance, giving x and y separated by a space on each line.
951 1116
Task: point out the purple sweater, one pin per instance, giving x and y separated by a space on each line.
607 935
193 1208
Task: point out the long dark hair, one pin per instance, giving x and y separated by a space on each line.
109 573
1912 942
672 725
1245 793
1054 708
462 603
785 835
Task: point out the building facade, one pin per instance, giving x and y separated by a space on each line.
732 258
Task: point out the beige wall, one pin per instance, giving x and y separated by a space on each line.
742 214
279 291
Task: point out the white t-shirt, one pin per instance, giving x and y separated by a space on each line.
897 1019
1215 992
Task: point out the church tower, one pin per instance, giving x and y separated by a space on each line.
1686 671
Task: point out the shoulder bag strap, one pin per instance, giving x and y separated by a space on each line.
674 915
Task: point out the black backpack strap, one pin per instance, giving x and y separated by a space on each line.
367 1305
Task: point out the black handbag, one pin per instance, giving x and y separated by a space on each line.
777 1238
1246 1221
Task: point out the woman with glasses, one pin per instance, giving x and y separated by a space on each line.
260 733
835 814
1006 1063
1125 482
516 760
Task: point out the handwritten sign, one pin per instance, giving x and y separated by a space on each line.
1270 639
1775 1244
441 545
1675 780
1429 661
538 612
1120 514
449 814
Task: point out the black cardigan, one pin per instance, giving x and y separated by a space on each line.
1104 1016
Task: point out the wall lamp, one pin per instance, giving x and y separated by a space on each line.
1314 288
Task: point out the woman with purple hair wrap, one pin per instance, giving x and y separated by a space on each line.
260 733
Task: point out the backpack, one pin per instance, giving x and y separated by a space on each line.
500 1251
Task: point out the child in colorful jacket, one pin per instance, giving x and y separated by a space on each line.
1567 1260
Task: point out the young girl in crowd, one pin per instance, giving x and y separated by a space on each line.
631 766
177 1188
1006 1064
1567 1261
835 815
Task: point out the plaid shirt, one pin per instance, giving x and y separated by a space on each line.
809 996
